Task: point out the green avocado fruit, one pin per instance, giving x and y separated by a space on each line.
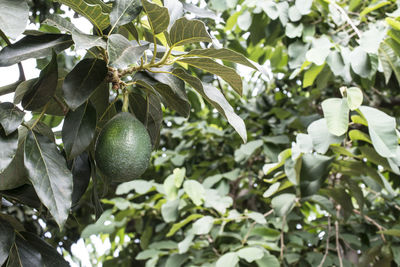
123 148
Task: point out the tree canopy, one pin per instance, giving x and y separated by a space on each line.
274 129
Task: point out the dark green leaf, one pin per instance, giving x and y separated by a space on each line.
22 88
343 198
14 16
34 46
149 112
172 91
83 79
81 171
78 129
24 194
44 88
92 12
200 12
81 40
122 52
158 16
9 145
10 117
217 99
389 60
314 171
50 256
124 11
186 31
23 254
49 175
7 236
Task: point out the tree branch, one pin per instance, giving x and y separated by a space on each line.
369 219
351 23
327 242
337 236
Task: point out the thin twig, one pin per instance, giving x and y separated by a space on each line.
327 242
282 238
369 219
341 10
337 236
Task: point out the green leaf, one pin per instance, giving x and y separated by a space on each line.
272 189
293 31
185 31
34 46
311 74
195 191
24 254
321 137
229 259
124 11
373 7
176 260
185 244
44 88
81 40
382 130
14 15
203 225
10 117
389 60
78 129
314 171
93 12
354 97
320 50
304 6
283 204
83 79
182 223
250 254
213 199
244 20
158 16
343 198
172 91
122 52
7 237
223 54
215 98
149 112
244 152
9 145
336 113
169 211
268 261
257 217
356 135
226 73
292 170
360 62
392 232
140 186
49 175
81 174
371 39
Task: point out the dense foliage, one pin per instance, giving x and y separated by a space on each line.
299 168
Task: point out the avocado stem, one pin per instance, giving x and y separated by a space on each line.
125 102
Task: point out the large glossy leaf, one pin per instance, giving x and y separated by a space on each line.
360 62
229 259
81 172
158 16
49 175
78 129
186 31
283 204
81 40
148 111
217 99
44 88
10 117
250 254
122 52
172 91
93 12
83 79
195 191
9 145
336 113
50 256
7 236
34 46
124 11
321 137
314 171
354 97
226 73
382 130
14 16
23 254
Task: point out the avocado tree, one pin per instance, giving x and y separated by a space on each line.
316 184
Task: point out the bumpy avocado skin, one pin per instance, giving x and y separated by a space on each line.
123 148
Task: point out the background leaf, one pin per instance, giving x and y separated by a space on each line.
122 53
7 237
124 11
158 16
10 117
336 113
186 31
14 16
